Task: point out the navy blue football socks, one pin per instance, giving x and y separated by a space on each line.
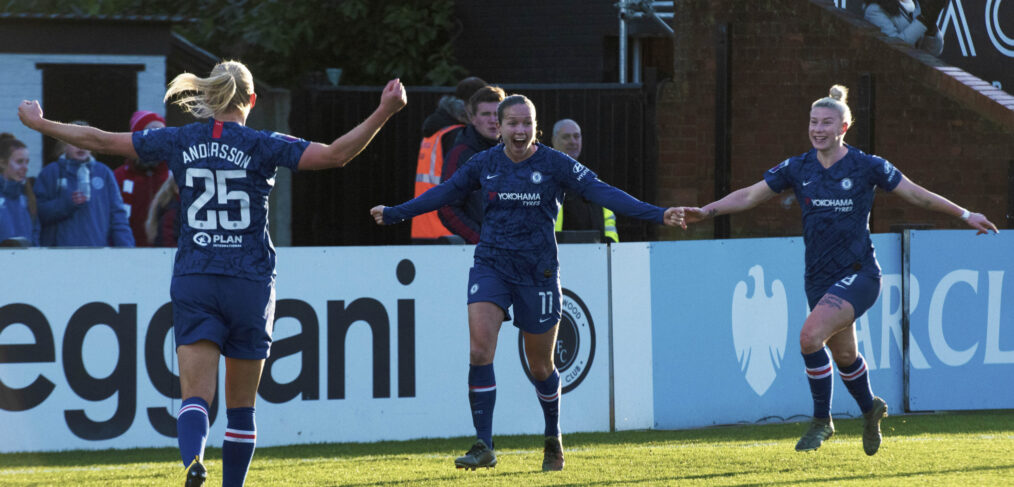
482 397
857 380
549 398
819 373
192 429
238 447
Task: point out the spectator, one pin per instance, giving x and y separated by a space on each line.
18 225
911 21
139 181
75 213
162 224
464 218
576 211
440 129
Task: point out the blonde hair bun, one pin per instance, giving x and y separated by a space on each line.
839 92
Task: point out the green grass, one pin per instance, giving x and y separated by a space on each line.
935 449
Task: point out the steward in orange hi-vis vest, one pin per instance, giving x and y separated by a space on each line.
427 175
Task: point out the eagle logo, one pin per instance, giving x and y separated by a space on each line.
759 329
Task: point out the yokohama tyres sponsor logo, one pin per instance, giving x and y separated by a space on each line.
841 205
528 199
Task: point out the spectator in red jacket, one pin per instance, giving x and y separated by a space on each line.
139 181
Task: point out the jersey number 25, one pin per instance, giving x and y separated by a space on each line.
215 183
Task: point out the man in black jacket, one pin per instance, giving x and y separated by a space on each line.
465 219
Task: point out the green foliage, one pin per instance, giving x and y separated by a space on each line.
944 449
284 41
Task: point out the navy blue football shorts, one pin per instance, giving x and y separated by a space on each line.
536 308
237 314
860 290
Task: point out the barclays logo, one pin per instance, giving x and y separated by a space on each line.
760 327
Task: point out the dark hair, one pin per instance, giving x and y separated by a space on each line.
511 101
468 86
486 94
8 144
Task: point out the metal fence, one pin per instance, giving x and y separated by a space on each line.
332 207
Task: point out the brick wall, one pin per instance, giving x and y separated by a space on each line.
940 128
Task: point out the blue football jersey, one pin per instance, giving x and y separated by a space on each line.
520 204
224 172
836 204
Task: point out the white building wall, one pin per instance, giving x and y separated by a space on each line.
21 80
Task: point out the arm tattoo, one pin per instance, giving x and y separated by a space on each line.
712 212
831 300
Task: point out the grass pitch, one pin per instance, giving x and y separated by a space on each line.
934 449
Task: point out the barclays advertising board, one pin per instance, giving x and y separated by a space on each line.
961 320
726 317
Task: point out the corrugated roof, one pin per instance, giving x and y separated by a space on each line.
145 19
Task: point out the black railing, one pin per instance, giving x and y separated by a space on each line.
332 208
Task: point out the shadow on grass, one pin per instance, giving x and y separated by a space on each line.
629 480
894 426
881 478
632 479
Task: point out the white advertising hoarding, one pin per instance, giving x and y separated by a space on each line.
371 343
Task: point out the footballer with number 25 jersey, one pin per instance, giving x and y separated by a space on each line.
224 171
223 285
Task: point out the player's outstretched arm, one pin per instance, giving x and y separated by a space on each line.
922 197
736 201
348 146
377 212
90 138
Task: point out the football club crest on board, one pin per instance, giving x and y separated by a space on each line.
575 343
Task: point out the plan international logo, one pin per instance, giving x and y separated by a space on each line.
760 325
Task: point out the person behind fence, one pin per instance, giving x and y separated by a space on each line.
139 181
577 213
464 217
516 262
440 129
835 184
18 224
79 204
912 21
223 285
162 224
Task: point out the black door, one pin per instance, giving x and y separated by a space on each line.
104 95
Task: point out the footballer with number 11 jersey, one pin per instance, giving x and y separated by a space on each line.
522 183
520 205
